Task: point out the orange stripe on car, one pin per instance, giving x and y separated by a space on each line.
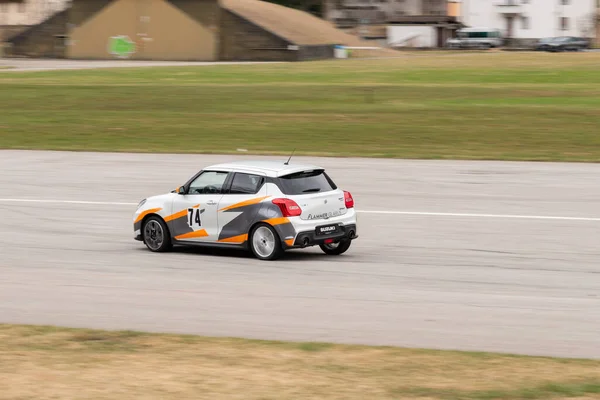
144 213
191 235
180 214
244 203
235 239
277 221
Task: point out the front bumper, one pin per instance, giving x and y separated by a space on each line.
311 238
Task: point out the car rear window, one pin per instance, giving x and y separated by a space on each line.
306 182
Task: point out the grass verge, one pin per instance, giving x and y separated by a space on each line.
495 105
48 362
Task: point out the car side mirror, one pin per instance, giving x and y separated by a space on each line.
180 190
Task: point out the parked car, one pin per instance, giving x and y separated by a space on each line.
544 44
476 38
563 43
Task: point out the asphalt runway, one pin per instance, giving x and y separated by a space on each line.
44 64
484 256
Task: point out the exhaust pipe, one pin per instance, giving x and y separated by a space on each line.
305 242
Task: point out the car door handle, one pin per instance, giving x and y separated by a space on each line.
211 203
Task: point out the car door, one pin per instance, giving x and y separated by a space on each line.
194 217
240 205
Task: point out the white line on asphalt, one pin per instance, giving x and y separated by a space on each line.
439 214
422 213
106 203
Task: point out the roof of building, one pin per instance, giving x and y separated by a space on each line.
295 26
268 168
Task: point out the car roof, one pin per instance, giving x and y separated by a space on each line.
264 167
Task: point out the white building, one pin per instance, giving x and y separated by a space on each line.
29 12
532 19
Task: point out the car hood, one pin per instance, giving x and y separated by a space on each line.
156 199
161 197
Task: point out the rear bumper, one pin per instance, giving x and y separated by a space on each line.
310 238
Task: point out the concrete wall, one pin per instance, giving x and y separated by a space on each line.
420 35
159 29
316 52
242 40
177 35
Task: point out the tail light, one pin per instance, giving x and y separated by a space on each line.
348 200
289 208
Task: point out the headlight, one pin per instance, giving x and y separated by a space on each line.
141 203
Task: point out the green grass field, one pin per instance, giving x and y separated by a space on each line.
38 362
494 105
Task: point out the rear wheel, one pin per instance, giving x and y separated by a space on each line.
335 249
156 235
265 243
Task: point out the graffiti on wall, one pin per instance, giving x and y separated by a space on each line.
121 46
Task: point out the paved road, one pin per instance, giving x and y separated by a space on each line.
441 279
29 64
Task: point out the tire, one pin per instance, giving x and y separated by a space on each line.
335 249
265 243
156 235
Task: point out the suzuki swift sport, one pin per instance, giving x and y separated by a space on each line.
266 207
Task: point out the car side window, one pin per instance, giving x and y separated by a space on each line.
246 183
209 182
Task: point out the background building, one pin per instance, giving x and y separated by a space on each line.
29 12
17 16
348 12
395 23
182 30
528 20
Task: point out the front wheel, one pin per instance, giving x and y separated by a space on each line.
265 243
156 235
335 249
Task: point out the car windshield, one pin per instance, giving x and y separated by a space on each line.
306 182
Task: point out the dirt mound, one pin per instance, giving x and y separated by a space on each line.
296 26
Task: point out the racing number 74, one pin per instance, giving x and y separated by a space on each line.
194 220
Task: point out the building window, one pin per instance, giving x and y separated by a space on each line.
564 23
524 22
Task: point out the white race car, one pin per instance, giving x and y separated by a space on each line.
264 206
